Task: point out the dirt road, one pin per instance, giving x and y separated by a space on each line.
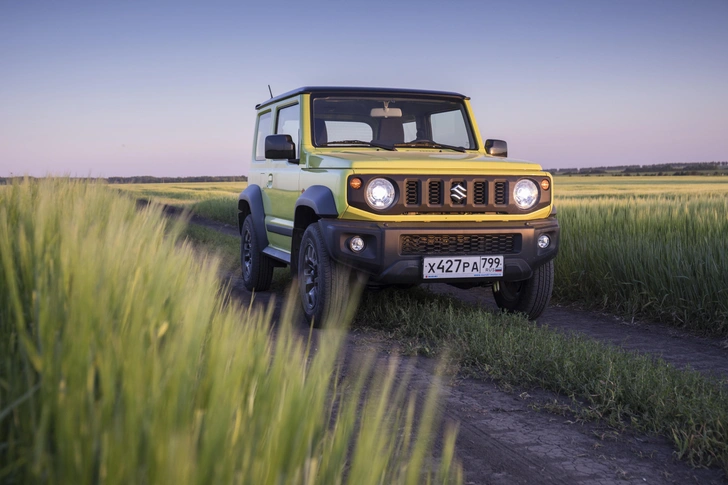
519 436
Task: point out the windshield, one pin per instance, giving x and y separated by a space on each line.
391 121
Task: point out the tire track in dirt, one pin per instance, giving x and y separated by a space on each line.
680 348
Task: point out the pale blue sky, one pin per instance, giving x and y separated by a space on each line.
169 88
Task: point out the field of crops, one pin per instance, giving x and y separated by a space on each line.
646 247
117 366
183 194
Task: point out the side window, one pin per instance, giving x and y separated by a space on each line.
264 126
449 128
289 123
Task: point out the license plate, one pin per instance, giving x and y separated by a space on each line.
462 267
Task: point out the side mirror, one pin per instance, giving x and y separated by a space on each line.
279 147
495 148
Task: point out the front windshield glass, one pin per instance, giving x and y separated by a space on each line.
391 121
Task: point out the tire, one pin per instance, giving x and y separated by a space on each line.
531 296
325 287
257 267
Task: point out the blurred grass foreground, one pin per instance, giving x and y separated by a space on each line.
121 362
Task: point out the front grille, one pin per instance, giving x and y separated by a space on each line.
458 244
434 196
447 194
413 192
501 193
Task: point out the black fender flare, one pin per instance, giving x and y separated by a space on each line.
250 202
320 199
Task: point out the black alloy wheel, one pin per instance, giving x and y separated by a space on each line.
257 267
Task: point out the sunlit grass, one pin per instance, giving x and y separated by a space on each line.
183 194
597 186
121 361
220 209
652 250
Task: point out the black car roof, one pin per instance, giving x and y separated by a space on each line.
356 90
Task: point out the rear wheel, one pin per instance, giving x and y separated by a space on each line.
324 285
257 267
531 296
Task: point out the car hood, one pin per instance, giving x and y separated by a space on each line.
431 161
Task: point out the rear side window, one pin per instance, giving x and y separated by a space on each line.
264 126
289 123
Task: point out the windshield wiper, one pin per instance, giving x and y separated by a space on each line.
360 142
432 144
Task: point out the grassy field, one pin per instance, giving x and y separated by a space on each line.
183 194
217 201
117 366
601 186
646 247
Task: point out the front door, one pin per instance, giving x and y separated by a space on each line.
280 188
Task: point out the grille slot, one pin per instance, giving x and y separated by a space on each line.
458 244
501 193
412 190
434 196
480 193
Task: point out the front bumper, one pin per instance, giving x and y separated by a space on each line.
384 260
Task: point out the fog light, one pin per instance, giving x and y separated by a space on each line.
544 241
356 244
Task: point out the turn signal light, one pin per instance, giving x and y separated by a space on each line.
355 183
545 184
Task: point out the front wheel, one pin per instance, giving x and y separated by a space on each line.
257 267
531 296
324 284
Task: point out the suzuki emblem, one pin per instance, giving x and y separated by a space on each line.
458 193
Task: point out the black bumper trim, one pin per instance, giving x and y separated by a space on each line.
383 261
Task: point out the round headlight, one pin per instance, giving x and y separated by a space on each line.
525 194
380 194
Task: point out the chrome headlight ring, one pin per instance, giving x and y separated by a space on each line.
525 194
380 194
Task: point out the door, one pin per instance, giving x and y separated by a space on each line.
281 182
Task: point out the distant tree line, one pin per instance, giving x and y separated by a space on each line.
145 179
694 168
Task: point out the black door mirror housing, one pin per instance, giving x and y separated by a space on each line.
495 148
279 147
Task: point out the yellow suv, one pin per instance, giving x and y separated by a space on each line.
398 186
